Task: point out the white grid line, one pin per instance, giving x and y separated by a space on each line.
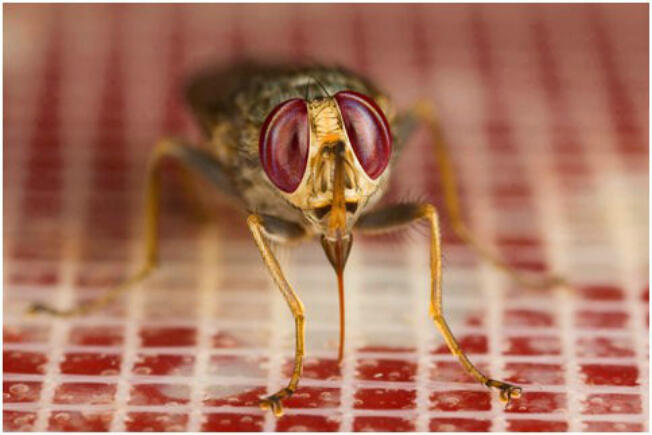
549 192
206 304
455 302
249 380
420 297
552 416
134 304
420 282
134 298
47 392
64 295
493 281
399 356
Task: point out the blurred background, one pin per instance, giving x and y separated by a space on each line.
545 109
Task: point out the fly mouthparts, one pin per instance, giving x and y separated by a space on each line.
337 250
321 212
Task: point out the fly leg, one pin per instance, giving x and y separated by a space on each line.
260 230
407 123
189 188
193 159
399 215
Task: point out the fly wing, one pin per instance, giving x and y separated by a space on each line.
225 103
212 92
403 128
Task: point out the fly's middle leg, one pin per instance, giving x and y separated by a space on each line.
424 112
189 185
193 160
396 216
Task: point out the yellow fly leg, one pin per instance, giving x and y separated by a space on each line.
190 190
258 230
192 159
426 113
399 215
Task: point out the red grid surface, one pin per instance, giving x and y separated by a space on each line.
546 112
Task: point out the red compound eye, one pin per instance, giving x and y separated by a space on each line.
368 131
284 142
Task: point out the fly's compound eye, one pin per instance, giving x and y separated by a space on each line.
368 131
284 143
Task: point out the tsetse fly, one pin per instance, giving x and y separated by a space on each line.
308 152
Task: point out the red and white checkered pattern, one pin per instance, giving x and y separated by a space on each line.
545 109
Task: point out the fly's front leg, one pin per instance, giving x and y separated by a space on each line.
259 228
192 159
399 215
425 113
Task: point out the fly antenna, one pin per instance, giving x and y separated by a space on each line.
321 85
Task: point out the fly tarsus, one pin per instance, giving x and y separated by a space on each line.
274 402
507 391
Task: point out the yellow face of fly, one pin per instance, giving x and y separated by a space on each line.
334 189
